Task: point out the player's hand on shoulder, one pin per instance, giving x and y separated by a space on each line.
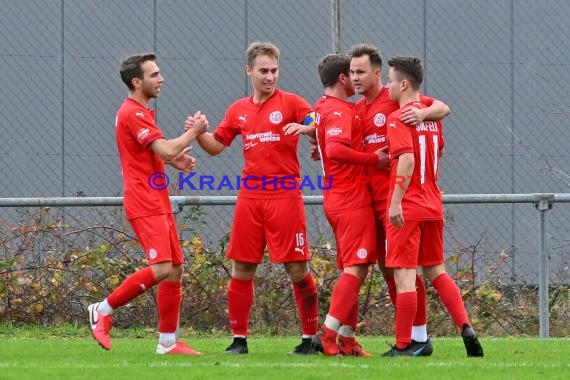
412 116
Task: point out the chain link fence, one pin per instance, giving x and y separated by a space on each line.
501 65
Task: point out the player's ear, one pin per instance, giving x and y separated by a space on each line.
136 82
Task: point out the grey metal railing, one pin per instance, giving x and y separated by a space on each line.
542 201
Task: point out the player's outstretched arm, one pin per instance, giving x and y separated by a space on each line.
169 149
208 142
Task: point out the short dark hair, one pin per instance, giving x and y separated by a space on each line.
132 67
331 66
360 50
409 67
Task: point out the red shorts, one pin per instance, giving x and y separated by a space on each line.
159 238
278 223
355 236
416 243
380 219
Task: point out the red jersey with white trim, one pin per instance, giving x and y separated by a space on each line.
373 117
337 122
135 130
271 167
422 200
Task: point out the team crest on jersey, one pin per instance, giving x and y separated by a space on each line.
276 117
362 253
152 254
379 119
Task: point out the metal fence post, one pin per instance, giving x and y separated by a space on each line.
544 203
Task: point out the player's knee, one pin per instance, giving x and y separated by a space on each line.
161 271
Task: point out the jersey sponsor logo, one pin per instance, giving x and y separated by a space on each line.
334 131
152 254
362 253
374 139
248 145
139 114
143 134
262 137
379 119
276 117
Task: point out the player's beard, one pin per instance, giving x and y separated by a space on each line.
150 91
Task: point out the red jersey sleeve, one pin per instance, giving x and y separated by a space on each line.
142 126
400 139
228 129
426 100
301 108
338 127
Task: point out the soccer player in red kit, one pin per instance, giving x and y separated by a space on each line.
269 210
143 152
346 203
373 109
414 230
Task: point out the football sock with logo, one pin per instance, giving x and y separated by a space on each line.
240 299
451 298
133 286
168 301
308 304
406 306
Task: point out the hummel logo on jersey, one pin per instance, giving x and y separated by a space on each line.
139 114
337 113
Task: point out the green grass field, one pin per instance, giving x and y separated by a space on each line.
68 354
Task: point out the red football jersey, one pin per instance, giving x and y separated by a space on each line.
135 130
373 117
271 165
422 200
336 121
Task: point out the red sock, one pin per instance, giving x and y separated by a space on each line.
240 299
344 295
391 284
352 319
406 307
451 298
308 304
133 286
168 300
421 313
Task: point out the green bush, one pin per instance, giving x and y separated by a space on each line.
53 265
